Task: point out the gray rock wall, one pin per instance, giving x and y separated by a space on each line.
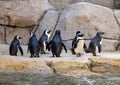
61 4
21 17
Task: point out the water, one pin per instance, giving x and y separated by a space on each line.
35 79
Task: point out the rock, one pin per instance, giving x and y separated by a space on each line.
109 45
69 66
23 32
61 4
23 65
21 21
22 13
48 22
89 19
117 15
105 65
2 37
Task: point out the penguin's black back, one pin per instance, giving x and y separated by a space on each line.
56 46
33 45
43 39
14 46
75 38
95 42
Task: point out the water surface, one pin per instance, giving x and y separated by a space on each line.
36 79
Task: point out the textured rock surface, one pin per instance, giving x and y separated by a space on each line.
117 15
61 4
21 17
22 13
24 65
109 45
89 19
2 35
67 64
104 65
70 66
23 32
48 22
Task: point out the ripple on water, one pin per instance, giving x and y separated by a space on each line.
36 79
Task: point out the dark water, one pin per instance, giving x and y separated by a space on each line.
36 79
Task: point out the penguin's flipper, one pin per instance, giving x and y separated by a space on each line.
99 48
48 46
64 47
85 46
73 42
21 50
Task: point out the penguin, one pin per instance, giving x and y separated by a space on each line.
56 44
79 45
74 41
43 41
95 44
33 46
15 45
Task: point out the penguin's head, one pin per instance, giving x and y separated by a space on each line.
80 36
78 32
100 34
32 34
47 32
57 32
18 37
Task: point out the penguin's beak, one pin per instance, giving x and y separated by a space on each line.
102 34
49 31
20 37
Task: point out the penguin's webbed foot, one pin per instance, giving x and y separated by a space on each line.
78 55
73 52
34 55
43 52
94 54
31 56
53 55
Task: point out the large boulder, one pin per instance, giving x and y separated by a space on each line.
117 15
70 66
1 35
61 4
20 17
89 19
22 13
23 65
100 65
23 32
48 22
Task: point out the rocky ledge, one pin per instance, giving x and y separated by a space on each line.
67 64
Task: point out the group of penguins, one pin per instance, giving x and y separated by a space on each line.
35 46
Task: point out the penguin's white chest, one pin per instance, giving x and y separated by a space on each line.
97 51
44 45
79 48
48 37
101 41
